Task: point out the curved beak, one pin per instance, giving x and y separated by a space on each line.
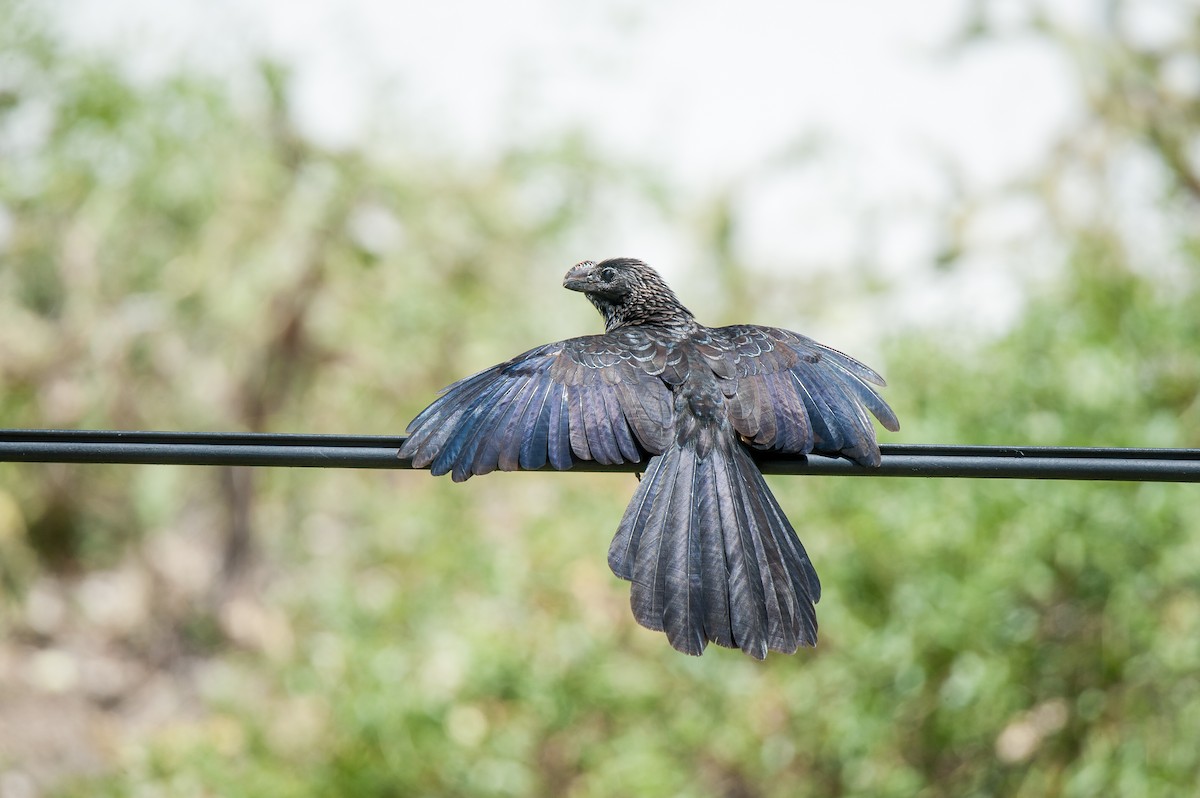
577 276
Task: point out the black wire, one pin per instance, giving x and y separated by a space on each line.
378 451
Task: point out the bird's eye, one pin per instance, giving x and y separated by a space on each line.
608 274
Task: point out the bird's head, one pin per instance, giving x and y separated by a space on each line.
627 293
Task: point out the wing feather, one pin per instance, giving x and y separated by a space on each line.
790 393
534 446
558 441
596 397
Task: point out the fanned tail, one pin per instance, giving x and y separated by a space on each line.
711 555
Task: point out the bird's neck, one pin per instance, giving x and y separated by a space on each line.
668 314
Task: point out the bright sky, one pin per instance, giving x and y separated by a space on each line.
714 98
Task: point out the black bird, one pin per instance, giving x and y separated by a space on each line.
707 547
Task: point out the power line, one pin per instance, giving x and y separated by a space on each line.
377 451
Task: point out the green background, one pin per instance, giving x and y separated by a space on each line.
178 258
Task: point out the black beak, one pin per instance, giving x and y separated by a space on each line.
577 276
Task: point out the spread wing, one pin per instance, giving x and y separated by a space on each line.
599 397
787 392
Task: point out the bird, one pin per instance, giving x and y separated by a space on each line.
709 552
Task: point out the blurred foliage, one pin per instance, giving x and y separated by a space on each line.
170 258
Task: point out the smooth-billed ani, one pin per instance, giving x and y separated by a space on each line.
707 547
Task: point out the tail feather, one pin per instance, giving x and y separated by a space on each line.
744 586
680 563
783 610
712 557
804 576
720 589
649 560
795 578
628 538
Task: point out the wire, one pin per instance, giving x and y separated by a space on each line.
376 451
